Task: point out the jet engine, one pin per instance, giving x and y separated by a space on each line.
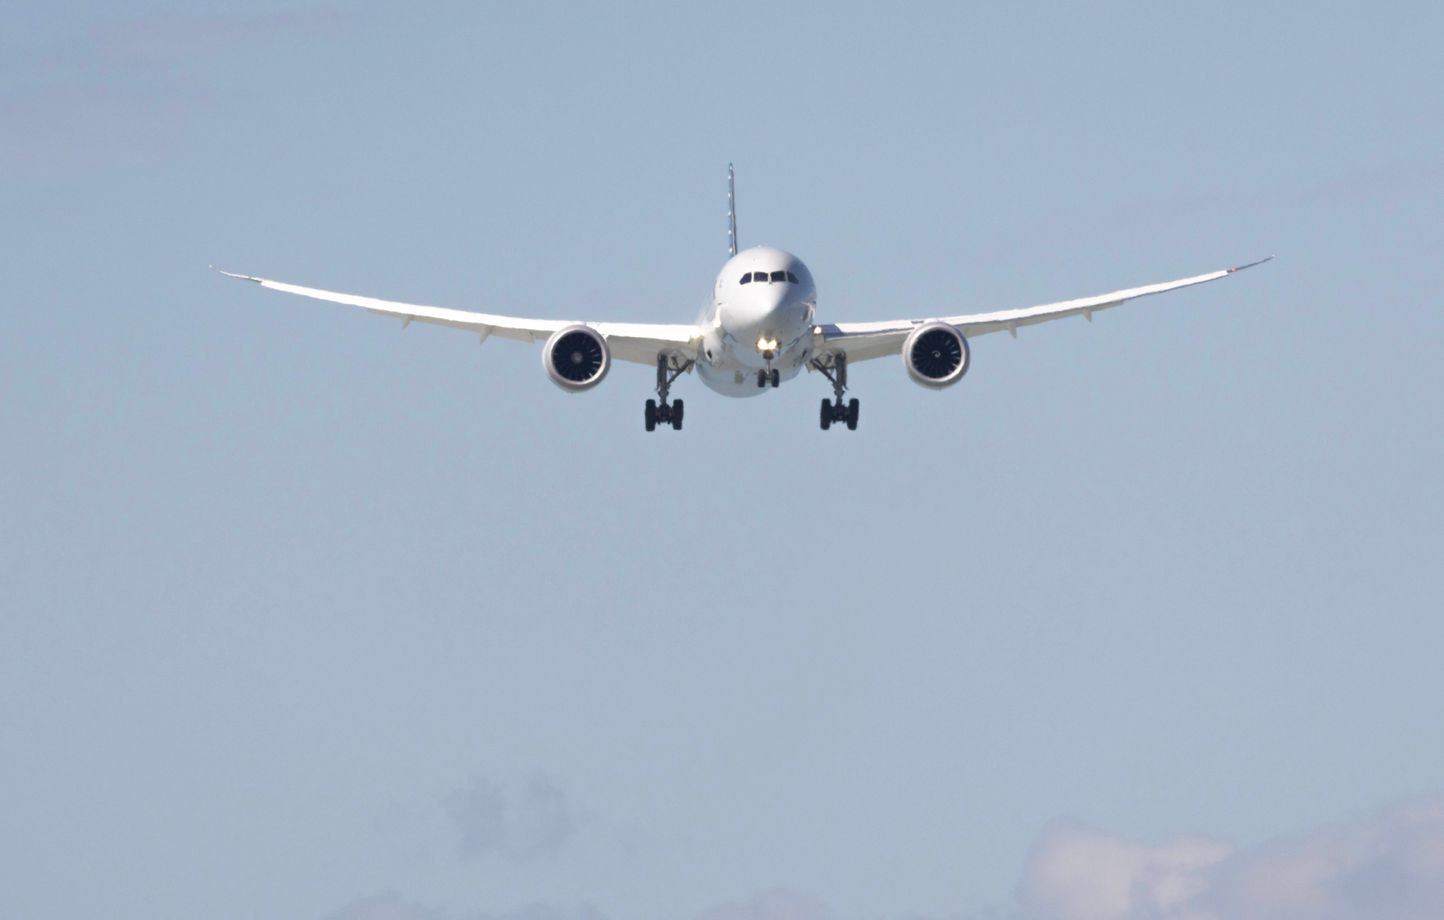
576 358
936 355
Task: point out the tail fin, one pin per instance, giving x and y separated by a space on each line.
731 213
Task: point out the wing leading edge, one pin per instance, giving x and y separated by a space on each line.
636 342
862 341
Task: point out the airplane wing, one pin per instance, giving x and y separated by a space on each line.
638 342
863 341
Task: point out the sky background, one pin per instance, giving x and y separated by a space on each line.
304 616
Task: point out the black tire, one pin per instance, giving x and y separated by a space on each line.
776 378
852 406
761 379
676 415
826 417
651 415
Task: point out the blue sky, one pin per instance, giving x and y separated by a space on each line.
307 616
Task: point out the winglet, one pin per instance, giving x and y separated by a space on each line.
234 275
1251 264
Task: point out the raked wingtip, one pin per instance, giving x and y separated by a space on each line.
1250 264
222 271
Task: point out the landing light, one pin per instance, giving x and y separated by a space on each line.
766 344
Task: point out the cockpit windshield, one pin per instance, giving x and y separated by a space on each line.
779 277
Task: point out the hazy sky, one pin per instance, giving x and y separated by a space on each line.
307 616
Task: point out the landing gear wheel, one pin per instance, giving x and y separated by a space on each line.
761 379
834 368
776 377
669 368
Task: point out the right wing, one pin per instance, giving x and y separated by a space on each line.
636 342
861 341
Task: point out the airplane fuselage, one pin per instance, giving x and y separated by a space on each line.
761 318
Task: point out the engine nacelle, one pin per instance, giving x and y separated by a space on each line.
576 358
936 355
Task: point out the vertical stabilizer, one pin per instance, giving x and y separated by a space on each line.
731 213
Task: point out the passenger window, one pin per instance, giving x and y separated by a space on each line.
746 278
779 276
792 278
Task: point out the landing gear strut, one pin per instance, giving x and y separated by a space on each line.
669 368
834 410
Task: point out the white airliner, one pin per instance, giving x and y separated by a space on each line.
760 331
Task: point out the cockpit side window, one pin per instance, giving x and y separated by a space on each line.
779 276
746 278
792 278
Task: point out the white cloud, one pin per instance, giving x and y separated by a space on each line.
1076 873
1388 865
1384 866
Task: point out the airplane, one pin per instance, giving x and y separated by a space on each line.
760 330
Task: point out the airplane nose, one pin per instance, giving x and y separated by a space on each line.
755 309
773 300
764 318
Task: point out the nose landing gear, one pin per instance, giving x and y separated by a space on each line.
770 373
834 410
669 368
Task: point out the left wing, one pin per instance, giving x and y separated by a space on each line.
637 342
862 341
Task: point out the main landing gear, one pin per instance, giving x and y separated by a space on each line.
667 413
834 410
